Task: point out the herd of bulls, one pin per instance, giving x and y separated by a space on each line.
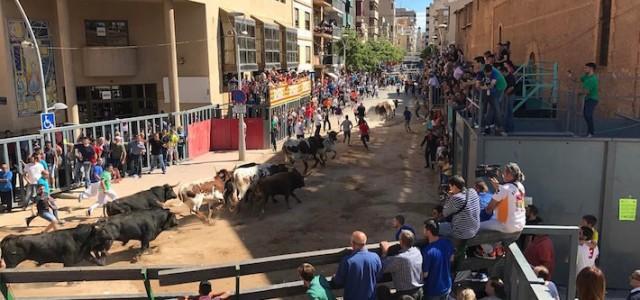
142 216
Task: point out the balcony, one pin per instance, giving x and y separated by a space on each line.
336 5
109 61
327 29
331 59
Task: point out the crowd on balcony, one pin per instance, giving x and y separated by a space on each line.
325 26
257 87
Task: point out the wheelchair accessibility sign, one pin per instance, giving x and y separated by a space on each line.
47 121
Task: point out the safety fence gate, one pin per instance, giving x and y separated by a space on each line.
192 127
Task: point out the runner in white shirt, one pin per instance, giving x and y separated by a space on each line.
508 202
33 172
587 254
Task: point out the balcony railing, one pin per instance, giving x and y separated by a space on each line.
336 4
331 59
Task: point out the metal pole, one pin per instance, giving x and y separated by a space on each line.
241 134
43 88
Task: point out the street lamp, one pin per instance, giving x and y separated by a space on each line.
242 147
34 44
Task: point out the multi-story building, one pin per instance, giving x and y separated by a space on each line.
428 31
442 20
328 23
387 19
367 18
569 33
303 22
114 59
405 29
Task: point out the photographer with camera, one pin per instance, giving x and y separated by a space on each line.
507 202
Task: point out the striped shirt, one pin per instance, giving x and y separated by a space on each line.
405 269
466 222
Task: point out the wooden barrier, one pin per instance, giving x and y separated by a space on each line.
171 274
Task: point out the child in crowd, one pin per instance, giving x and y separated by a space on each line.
587 253
485 199
591 221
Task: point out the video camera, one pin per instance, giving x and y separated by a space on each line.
487 171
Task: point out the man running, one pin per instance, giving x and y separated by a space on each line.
364 132
104 189
45 209
346 129
407 119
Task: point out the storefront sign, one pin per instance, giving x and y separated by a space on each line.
105 95
284 94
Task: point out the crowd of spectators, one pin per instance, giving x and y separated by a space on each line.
48 165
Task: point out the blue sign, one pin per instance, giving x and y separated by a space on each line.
47 121
238 97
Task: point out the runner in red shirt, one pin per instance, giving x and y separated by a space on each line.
364 132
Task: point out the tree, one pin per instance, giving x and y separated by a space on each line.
431 50
368 56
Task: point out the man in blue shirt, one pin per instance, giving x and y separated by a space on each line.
399 225
436 263
95 180
359 271
6 187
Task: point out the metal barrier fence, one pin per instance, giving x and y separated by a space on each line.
520 281
67 172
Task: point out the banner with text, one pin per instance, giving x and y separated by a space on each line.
284 94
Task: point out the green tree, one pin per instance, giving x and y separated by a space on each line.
368 56
431 50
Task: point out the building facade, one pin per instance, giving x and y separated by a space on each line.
569 33
406 29
367 18
387 19
303 22
114 59
329 19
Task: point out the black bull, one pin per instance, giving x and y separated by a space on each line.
67 246
143 200
143 226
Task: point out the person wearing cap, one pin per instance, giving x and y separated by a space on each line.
634 281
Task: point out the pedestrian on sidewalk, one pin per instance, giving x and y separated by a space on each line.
346 130
156 154
364 132
6 188
137 149
590 86
407 119
104 190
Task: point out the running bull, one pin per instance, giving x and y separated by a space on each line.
143 200
143 226
217 192
279 184
66 246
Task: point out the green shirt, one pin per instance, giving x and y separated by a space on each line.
319 289
590 83
501 82
106 179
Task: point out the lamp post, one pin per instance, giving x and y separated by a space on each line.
242 147
43 88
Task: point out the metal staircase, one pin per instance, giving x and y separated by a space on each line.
538 96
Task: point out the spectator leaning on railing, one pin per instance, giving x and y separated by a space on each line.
359 271
405 268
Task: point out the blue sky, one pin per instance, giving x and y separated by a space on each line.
419 6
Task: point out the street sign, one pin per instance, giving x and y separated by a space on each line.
239 109
238 97
47 120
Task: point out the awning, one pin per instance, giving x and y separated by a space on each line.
332 75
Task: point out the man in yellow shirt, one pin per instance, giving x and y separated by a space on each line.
172 144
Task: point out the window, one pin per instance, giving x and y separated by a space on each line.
307 54
272 46
296 17
604 32
307 21
106 33
247 42
292 48
359 8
